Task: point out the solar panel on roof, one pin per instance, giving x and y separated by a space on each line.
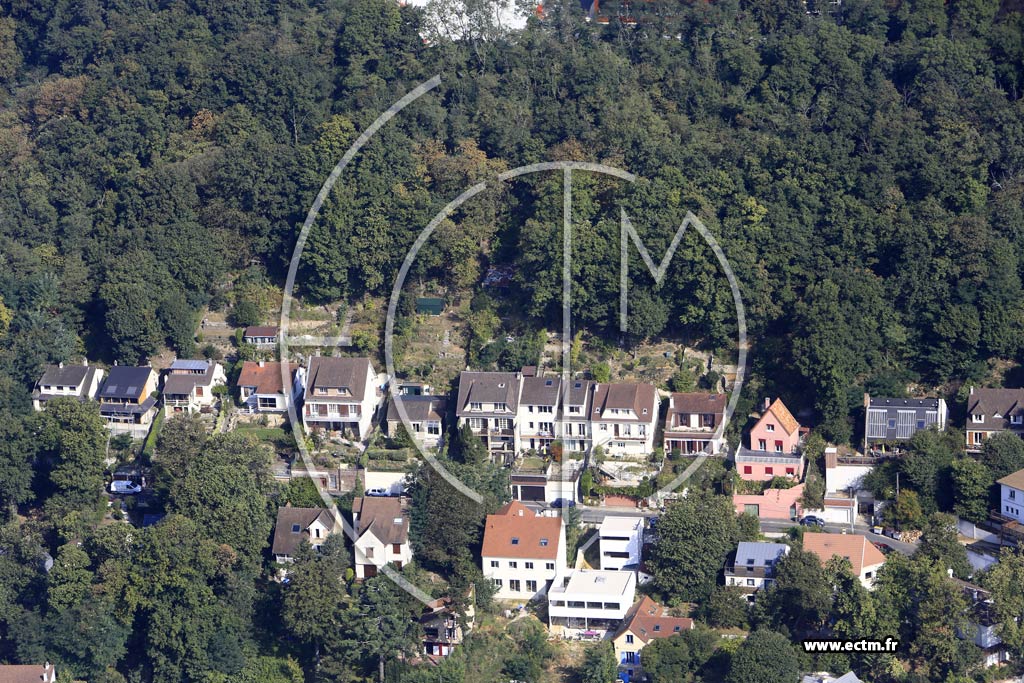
111 389
133 390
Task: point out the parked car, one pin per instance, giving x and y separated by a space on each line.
563 502
377 492
883 547
811 520
120 486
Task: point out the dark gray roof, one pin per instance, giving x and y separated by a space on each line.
540 391
125 383
286 541
579 394
69 375
991 402
190 365
383 517
487 387
42 395
339 372
127 407
184 382
418 408
625 396
898 419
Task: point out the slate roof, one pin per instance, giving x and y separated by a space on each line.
695 403
423 408
265 379
517 531
287 541
190 365
338 372
487 387
851 546
540 391
760 553
625 396
992 402
69 375
384 517
579 394
648 620
125 383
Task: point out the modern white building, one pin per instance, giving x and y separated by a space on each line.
523 553
1011 496
574 426
621 539
754 566
591 600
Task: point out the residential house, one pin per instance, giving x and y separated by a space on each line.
990 411
260 336
865 558
694 423
128 400
590 602
295 525
983 624
845 495
753 567
538 412
776 431
189 384
523 553
824 677
623 418
489 402
889 423
425 414
262 388
342 395
1011 498
644 621
443 629
574 426
382 534
765 465
548 484
28 673
81 382
620 540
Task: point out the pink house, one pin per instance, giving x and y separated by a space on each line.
765 466
777 431
772 504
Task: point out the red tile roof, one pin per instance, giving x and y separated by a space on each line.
517 531
266 379
648 620
855 548
782 414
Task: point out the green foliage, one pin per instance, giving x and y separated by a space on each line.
312 602
301 492
1003 454
599 664
764 657
939 544
73 439
799 600
726 608
926 466
679 657
601 372
972 482
1006 581
906 513
694 536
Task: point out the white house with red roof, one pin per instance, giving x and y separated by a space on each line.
261 387
523 553
645 621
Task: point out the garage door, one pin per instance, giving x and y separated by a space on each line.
531 493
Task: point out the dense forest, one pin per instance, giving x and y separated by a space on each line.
862 167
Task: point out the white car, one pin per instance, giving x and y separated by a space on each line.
378 492
125 487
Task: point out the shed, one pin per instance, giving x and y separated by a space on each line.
429 305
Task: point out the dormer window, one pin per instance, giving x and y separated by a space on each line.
515 540
476 406
543 542
1016 419
657 627
296 528
769 427
977 418
645 411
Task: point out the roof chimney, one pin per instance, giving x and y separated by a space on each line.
520 512
972 389
767 402
263 363
867 400
60 365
